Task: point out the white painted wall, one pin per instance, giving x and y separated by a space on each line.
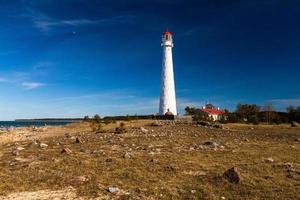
167 95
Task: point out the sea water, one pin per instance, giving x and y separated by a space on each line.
32 123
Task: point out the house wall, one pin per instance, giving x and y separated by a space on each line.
215 117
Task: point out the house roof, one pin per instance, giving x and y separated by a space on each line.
213 111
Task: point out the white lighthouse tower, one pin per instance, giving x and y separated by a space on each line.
167 102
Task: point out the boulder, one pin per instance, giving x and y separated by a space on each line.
211 144
232 175
295 124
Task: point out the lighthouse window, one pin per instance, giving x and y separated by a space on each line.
167 37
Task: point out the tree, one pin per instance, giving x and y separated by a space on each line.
293 113
97 118
86 118
247 112
190 110
269 113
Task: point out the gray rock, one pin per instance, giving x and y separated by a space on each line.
269 160
144 130
20 148
83 150
127 155
78 140
295 124
112 189
232 175
211 144
43 145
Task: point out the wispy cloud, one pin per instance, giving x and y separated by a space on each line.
286 102
46 24
32 85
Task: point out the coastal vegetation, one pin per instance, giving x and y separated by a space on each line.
251 114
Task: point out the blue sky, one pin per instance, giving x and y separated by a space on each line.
70 58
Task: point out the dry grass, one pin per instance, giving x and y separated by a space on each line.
168 162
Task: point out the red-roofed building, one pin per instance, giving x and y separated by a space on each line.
212 112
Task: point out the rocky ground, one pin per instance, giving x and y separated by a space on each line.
150 161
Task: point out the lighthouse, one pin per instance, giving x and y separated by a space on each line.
167 104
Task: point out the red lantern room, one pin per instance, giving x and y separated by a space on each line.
167 33
167 36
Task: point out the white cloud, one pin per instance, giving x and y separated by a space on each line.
32 85
45 24
286 102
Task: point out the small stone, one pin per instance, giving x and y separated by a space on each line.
144 130
193 191
43 145
223 198
108 160
127 155
232 175
288 164
211 144
20 148
66 151
269 160
78 140
112 189
36 142
73 138
297 139
83 150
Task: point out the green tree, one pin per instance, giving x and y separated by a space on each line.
97 118
247 112
86 118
